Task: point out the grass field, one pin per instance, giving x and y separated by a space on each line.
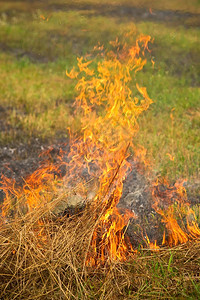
39 40
36 95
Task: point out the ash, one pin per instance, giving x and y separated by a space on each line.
137 197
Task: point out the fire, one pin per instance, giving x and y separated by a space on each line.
108 106
178 217
109 113
35 192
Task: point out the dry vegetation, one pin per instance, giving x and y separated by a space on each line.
43 257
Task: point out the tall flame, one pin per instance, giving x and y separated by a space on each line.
109 113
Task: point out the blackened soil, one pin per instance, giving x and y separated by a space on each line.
19 161
21 53
122 11
137 197
133 13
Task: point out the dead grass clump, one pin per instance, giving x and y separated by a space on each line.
44 257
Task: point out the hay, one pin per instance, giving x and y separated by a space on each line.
44 257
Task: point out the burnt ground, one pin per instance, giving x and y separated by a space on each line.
19 161
133 13
120 11
21 53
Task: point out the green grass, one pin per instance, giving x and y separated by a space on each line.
35 53
174 84
37 98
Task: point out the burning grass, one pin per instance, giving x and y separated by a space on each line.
50 255
44 258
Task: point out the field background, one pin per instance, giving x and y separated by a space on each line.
39 40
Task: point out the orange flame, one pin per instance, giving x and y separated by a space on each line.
109 115
174 213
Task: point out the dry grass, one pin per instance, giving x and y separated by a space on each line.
43 257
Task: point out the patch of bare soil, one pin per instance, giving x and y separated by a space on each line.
21 53
19 161
134 13
121 11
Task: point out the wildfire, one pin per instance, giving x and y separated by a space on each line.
108 106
